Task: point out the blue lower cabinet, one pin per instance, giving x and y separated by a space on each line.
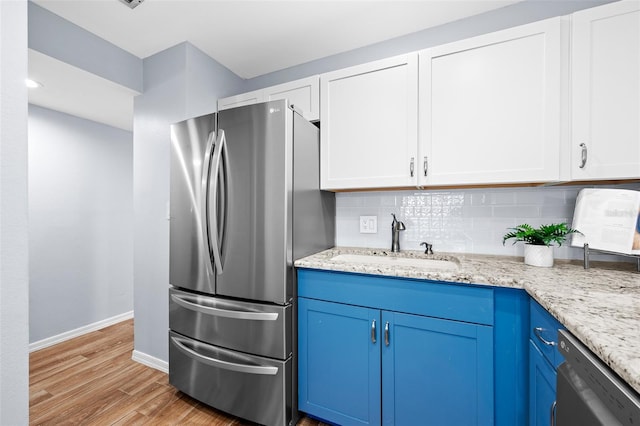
542 388
544 359
377 350
339 362
436 372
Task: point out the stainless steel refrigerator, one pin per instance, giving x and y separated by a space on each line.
245 203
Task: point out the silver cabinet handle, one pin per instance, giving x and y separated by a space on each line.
373 331
411 166
583 155
538 332
425 166
386 333
226 365
552 415
191 303
219 148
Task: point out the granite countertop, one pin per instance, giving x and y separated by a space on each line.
600 305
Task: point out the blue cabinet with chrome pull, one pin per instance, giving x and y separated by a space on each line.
380 350
544 358
339 379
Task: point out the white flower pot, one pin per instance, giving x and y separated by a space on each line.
538 255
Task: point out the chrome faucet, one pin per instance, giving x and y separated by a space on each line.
396 227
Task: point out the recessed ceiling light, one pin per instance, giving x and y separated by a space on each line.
32 84
132 3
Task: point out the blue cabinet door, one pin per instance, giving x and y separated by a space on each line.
339 362
436 372
542 388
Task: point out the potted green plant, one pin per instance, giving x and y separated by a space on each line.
538 249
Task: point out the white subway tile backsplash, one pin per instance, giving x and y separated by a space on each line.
523 211
527 196
459 221
477 211
507 198
563 211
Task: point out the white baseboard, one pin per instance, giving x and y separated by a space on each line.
150 361
50 341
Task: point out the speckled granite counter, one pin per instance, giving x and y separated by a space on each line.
600 306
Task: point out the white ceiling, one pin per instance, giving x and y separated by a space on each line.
251 38
69 89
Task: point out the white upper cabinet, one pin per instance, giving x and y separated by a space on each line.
491 107
369 128
304 94
243 99
605 141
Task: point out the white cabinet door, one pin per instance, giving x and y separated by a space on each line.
369 127
606 92
248 98
490 107
304 94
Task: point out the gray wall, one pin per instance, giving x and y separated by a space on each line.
179 82
14 258
67 42
80 222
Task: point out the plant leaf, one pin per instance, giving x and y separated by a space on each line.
542 236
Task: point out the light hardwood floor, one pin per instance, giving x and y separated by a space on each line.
91 380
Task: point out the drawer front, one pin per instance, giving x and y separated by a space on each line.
216 376
544 333
248 327
469 303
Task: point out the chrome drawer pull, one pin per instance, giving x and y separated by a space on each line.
225 365
226 313
373 331
538 332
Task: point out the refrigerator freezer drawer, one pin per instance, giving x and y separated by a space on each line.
255 328
254 388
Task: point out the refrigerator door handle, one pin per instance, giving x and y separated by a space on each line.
192 304
206 171
219 150
226 365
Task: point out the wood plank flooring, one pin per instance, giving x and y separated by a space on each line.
92 380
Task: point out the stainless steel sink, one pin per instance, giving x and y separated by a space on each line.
416 262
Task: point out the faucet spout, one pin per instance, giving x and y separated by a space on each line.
396 227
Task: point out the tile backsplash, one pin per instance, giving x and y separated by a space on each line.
460 220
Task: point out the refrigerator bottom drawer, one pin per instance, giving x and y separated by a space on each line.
254 388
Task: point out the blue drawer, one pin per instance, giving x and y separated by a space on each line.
544 328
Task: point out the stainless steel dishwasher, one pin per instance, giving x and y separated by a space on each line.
589 392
